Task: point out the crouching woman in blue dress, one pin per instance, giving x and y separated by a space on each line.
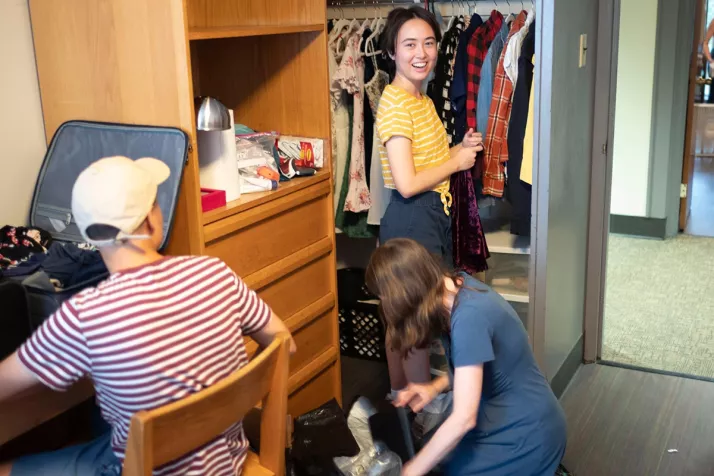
505 418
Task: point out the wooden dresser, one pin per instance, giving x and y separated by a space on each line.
144 61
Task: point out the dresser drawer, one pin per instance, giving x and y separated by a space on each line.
314 331
312 340
318 390
251 240
296 290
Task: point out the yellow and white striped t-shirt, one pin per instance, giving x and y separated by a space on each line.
401 114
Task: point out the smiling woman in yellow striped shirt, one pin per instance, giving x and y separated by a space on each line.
416 160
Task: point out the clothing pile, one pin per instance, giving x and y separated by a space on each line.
19 243
30 255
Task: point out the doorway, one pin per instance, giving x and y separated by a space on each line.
696 216
649 300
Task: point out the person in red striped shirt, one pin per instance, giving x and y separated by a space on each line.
157 330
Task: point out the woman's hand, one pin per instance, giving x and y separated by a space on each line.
417 396
472 140
465 157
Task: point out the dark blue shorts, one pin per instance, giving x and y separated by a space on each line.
94 458
421 218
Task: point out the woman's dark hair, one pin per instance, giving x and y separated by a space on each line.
396 19
409 282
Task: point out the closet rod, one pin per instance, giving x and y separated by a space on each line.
369 3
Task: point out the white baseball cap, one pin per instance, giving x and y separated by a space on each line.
113 196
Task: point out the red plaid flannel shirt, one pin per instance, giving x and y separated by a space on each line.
476 51
495 144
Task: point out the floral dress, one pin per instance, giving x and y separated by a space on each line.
350 76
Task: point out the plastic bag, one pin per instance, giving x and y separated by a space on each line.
374 458
319 436
256 161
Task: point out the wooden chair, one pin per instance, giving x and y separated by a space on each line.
164 434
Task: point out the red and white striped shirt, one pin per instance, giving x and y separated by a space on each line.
150 336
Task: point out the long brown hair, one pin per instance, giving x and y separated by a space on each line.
409 282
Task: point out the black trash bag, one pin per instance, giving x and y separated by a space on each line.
387 426
319 436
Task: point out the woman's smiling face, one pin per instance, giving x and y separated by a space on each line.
415 52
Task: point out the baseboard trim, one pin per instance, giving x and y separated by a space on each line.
567 371
638 226
668 373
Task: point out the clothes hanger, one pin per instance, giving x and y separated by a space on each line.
339 25
376 30
373 25
451 21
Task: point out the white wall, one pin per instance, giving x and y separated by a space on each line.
22 132
633 111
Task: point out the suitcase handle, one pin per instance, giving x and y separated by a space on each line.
59 213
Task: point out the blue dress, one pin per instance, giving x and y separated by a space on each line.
521 427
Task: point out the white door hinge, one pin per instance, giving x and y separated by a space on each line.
604 149
683 190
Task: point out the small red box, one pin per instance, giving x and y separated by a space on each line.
211 199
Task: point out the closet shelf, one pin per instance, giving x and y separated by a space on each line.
512 295
250 200
212 33
502 241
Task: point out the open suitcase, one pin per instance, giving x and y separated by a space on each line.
74 146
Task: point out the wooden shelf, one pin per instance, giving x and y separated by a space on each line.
240 31
250 200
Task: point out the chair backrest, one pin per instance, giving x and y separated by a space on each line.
166 433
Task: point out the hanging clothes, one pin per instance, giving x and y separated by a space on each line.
351 224
339 128
527 164
476 51
369 114
490 63
350 75
379 195
518 192
495 142
457 91
515 45
469 242
438 89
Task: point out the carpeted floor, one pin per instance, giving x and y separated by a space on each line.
659 304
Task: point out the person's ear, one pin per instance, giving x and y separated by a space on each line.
154 219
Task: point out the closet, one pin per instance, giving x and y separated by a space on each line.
505 215
144 62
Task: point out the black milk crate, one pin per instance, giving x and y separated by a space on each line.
361 329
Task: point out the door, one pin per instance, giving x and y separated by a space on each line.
685 203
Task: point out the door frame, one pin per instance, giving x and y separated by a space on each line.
685 203
601 169
601 176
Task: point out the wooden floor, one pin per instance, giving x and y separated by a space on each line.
623 422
